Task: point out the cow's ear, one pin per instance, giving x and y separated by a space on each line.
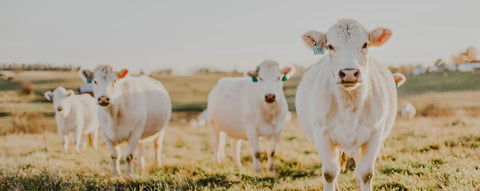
49 95
70 93
399 79
379 36
314 38
288 72
122 73
86 75
253 75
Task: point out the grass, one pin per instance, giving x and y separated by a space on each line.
437 150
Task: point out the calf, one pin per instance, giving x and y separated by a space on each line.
74 113
246 108
347 101
131 109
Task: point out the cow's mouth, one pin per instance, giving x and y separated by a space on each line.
104 104
350 85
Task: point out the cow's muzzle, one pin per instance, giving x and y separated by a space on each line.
103 101
270 98
349 77
59 109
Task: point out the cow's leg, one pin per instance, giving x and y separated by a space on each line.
255 149
215 144
115 155
95 139
140 156
221 145
366 161
158 144
329 155
84 141
271 153
64 137
131 148
78 138
235 146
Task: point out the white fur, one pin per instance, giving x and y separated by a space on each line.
355 119
139 111
78 116
237 107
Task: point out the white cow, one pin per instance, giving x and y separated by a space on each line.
247 108
77 114
347 101
200 121
408 110
131 109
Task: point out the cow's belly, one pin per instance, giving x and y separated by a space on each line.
350 137
232 128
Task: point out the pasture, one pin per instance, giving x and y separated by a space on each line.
437 150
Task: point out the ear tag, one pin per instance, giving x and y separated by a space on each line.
396 83
284 78
89 81
318 50
254 79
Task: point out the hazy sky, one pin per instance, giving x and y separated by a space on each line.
225 34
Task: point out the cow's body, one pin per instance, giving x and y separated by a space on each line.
78 115
237 108
347 102
136 110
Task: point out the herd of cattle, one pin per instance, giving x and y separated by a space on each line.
346 103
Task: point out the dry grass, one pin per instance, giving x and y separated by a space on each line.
437 150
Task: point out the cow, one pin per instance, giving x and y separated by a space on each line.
245 108
408 110
130 109
77 114
347 101
200 121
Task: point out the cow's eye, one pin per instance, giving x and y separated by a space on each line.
261 79
95 81
330 47
365 45
278 78
114 81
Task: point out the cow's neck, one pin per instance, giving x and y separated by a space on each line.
270 111
115 111
352 100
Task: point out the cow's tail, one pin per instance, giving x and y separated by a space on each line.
343 161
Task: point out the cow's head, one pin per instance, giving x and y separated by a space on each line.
269 77
59 97
347 43
104 79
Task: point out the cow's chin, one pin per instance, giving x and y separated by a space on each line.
349 86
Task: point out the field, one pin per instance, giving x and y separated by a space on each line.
437 150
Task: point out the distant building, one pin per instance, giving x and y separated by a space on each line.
419 71
468 67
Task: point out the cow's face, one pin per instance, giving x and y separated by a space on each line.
59 97
347 43
269 77
104 80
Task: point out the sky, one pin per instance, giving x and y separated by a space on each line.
178 34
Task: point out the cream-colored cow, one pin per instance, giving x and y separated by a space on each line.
130 109
246 108
77 114
347 101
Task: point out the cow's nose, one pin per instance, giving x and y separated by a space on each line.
349 75
270 98
103 100
60 108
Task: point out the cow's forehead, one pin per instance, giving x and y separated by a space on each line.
347 31
268 67
102 71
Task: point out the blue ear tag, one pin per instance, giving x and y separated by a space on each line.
254 79
284 78
89 81
317 49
